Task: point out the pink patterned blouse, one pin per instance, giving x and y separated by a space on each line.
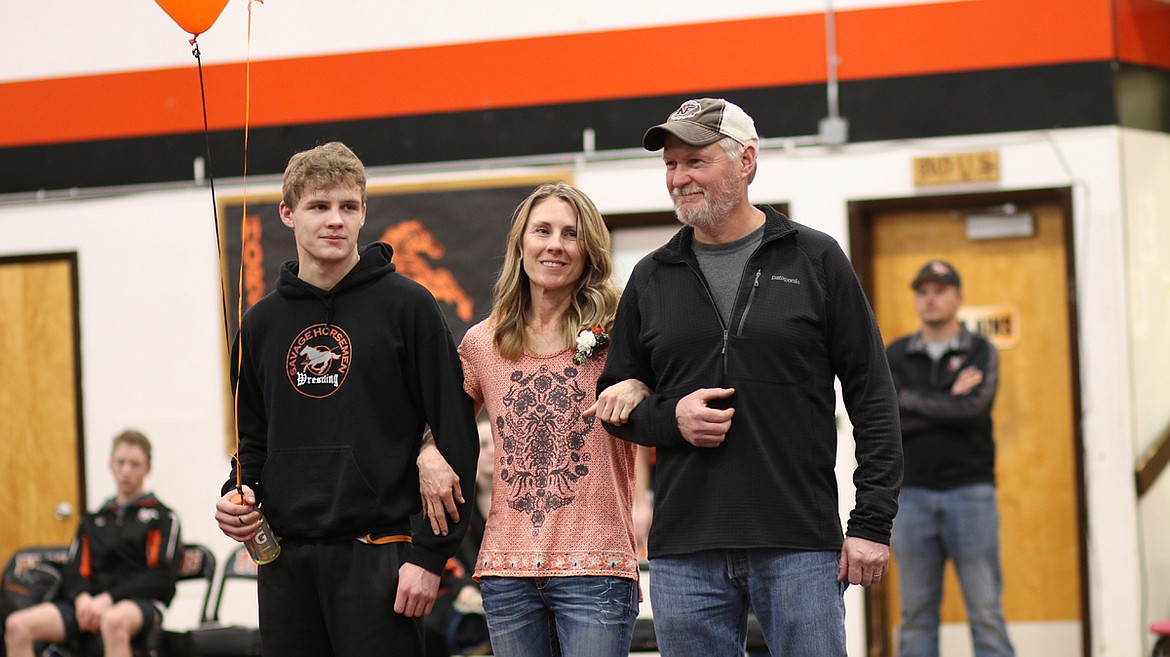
563 488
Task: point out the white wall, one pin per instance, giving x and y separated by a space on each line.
1146 167
153 345
49 40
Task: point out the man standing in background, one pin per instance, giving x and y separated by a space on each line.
946 378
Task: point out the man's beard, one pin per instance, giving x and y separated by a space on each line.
718 201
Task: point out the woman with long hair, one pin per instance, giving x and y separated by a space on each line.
558 566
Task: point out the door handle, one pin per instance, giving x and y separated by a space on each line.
63 511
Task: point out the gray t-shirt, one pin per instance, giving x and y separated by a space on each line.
940 347
722 265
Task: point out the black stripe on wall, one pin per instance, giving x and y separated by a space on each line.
1034 98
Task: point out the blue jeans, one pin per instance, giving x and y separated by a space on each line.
586 616
960 524
701 602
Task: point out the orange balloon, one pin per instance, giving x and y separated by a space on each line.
194 16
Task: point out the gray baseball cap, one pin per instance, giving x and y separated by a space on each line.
703 121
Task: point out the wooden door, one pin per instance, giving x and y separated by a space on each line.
1019 288
39 403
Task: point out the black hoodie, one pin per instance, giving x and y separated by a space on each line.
334 390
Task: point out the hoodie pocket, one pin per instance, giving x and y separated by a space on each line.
317 492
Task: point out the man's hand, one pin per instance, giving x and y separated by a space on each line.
86 620
236 516
417 590
89 610
438 485
967 380
699 424
863 562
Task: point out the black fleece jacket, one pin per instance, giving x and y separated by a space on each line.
799 320
133 551
947 438
335 389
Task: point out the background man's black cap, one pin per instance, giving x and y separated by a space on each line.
937 270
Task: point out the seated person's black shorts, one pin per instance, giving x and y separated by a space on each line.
151 616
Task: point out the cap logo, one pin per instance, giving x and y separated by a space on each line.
689 109
940 269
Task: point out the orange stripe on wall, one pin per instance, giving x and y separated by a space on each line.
973 35
413 81
769 52
1143 32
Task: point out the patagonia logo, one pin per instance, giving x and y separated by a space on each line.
785 279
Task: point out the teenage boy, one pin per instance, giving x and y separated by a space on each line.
340 370
121 570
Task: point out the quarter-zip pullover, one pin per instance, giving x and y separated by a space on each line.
800 320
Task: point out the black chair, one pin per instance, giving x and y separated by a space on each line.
31 575
25 558
239 566
198 564
213 638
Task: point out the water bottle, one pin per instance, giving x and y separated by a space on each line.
263 546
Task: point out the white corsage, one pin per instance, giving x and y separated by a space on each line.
589 341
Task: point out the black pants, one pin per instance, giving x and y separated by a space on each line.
322 599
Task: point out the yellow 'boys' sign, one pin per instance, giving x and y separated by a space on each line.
957 168
999 324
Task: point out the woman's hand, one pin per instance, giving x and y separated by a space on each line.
438 485
616 402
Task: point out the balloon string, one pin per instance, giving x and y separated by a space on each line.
243 242
210 177
218 243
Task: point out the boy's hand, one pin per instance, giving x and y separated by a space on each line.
417 590
236 514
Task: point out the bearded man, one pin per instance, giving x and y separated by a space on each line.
741 324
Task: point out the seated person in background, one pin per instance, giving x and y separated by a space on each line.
121 570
